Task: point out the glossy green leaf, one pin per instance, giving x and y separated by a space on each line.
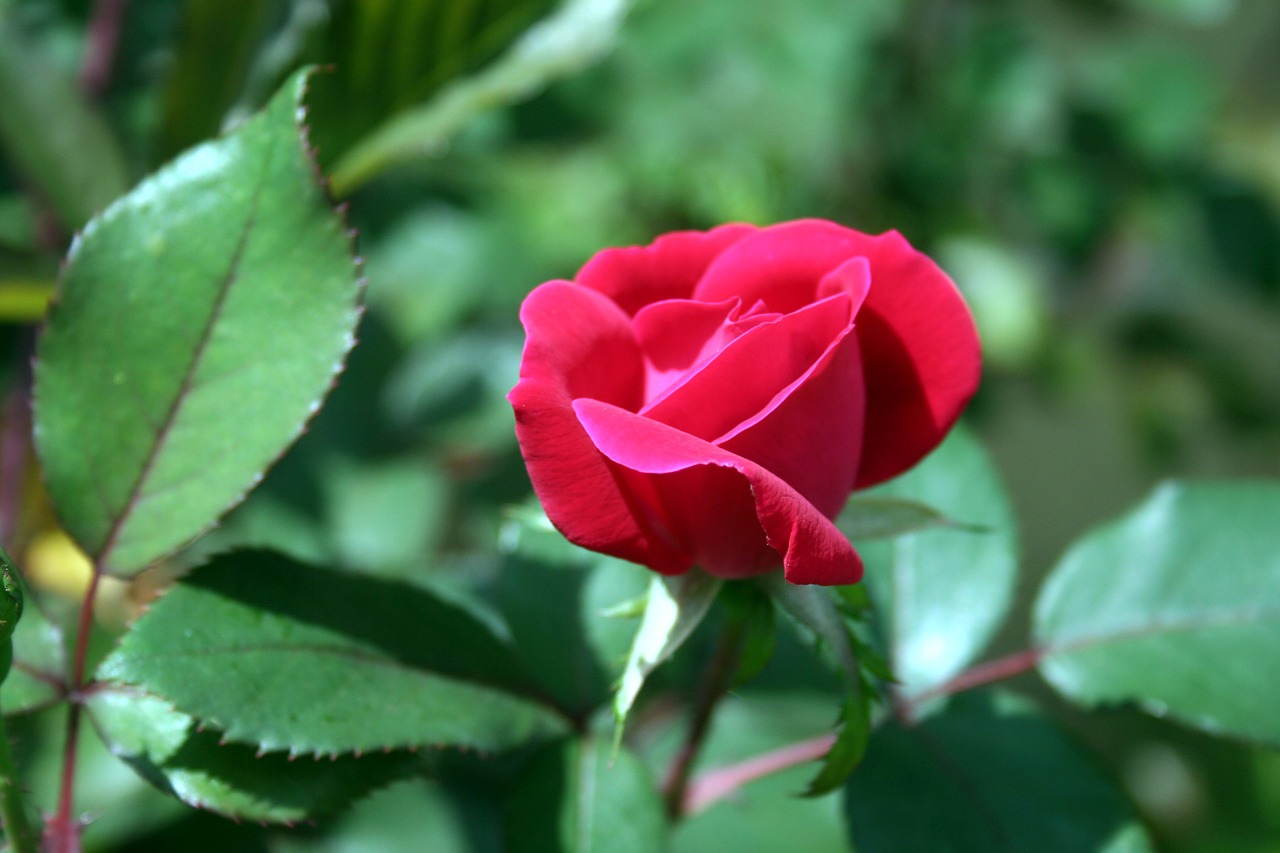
580 797
988 775
54 136
284 656
170 750
942 594
199 323
673 607
579 33
1176 607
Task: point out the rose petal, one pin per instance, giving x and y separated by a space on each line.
668 268
812 549
782 264
921 355
748 375
579 342
811 437
678 334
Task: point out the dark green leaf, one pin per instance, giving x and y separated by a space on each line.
1176 607
943 593
581 797
168 749
200 321
547 581
987 775
815 609
747 605
289 657
55 137
847 752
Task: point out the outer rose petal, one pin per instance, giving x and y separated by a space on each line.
919 346
921 354
668 268
578 341
812 549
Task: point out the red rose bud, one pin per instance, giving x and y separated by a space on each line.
711 399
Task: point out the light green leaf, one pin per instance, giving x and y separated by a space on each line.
673 608
1176 607
581 797
988 775
941 594
169 749
39 664
283 656
199 323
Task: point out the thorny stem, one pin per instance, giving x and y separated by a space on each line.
62 833
17 829
715 684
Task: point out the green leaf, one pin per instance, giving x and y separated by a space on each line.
942 594
1176 607
169 749
847 752
674 606
39 664
987 775
54 136
578 34
546 580
200 321
580 797
878 517
289 657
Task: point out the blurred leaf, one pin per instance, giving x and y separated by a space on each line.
39 663
747 605
581 797
987 775
874 517
290 657
1006 295
386 517
56 139
553 595
941 594
211 65
1174 607
413 814
575 36
24 301
170 750
199 323
673 607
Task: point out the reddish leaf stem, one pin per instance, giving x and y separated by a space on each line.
62 832
100 45
709 788
982 674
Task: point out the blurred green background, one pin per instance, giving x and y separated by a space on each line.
1101 178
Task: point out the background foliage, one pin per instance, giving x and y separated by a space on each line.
1101 177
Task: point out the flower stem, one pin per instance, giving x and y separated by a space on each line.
62 832
715 684
13 811
709 788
